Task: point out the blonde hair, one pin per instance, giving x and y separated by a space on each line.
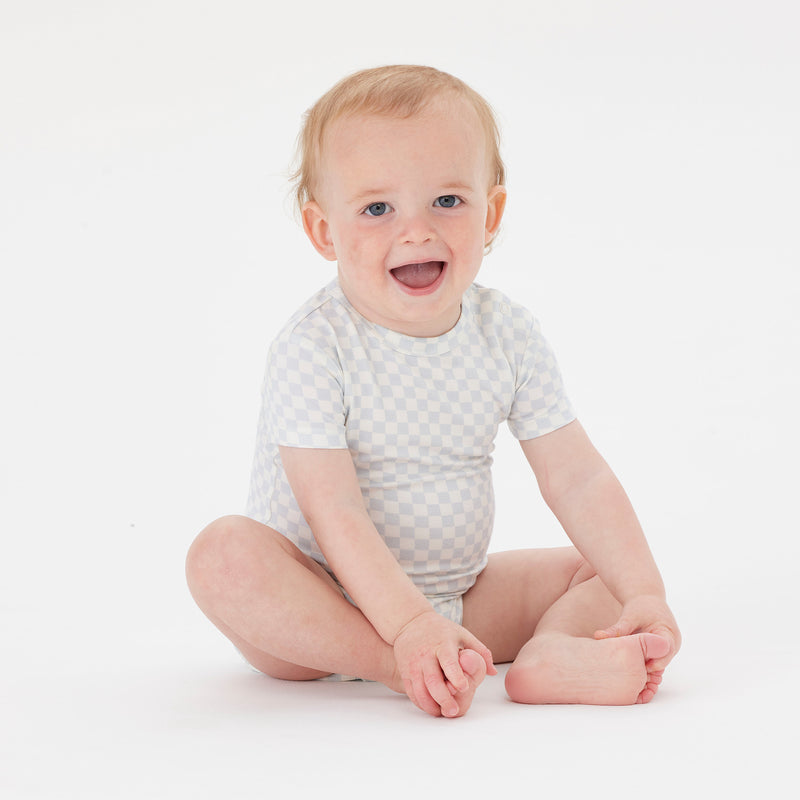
401 91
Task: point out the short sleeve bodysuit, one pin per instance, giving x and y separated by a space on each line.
419 417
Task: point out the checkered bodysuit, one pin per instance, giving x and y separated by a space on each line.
419 417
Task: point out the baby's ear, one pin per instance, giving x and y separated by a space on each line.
496 204
317 229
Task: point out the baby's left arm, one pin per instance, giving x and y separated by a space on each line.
591 505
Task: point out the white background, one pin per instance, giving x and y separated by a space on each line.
149 254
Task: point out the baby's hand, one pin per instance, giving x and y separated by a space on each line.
646 614
427 652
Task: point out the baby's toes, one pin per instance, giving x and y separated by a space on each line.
475 669
473 665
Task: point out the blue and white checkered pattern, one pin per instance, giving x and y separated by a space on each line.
419 417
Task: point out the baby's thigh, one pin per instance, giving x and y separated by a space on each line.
512 594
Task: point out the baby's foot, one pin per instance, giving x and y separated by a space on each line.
566 669
475 669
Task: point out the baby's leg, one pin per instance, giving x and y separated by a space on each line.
563 663
280 608
539 609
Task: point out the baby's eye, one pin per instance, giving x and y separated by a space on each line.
377 209
447 201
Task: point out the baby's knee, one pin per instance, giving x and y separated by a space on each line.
216 552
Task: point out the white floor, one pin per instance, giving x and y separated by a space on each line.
147 259
163 708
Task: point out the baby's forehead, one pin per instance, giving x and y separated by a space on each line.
351 124
450 106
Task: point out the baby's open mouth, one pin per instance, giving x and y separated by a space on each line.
419 276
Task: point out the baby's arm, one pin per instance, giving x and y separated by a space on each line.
426 645
591 505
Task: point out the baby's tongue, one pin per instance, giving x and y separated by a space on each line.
418 276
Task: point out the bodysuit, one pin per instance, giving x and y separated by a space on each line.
419 417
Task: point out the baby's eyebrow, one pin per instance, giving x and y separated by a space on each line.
367 194
458 186
446 187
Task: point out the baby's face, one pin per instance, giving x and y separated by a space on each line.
406 208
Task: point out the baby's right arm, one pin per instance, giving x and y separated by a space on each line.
426 645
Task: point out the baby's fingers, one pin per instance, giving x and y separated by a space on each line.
438 689
453 672
624 626
428 689
420 698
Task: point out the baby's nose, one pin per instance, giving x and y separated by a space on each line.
417 229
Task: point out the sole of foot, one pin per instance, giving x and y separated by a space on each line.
565 669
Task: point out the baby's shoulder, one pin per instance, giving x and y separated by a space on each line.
494 310
315 320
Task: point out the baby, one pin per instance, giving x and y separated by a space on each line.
364 552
